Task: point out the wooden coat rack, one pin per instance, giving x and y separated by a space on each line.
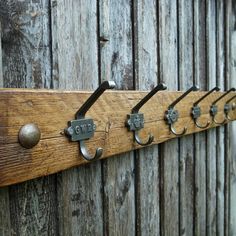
54 149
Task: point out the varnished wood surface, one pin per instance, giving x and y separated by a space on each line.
51 111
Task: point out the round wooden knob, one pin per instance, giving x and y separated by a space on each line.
29 135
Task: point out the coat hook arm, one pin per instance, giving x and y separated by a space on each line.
172 115
135 120
83 128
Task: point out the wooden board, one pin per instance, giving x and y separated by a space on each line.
26 58
75 66
211 134
51 110
146 75
169 151
200 138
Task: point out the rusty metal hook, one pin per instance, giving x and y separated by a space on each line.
228 107
214 108
135 120
196 110
83 128
172 115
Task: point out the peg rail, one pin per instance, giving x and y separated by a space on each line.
51 110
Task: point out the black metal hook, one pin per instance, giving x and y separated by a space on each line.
196 110
228 107
214 108
172 115
135 120
83 128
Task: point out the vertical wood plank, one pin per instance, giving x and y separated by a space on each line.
1 74
75 66
117 64
5 223
211 134
220 134
168 72
146 71
229 131
232 211
26 44
26 63
200 138
186 165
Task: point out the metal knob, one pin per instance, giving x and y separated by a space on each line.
29 135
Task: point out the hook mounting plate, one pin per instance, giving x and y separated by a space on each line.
171 116
80 129
196 112
135 121
213 110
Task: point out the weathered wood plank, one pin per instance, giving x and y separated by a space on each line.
168 72
117 64
147 163
26 63
186 160
75 65
220 134
232 170
229 25
26 33
200 138
5 223
1 74
211 134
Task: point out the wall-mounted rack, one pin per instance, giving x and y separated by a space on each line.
37 140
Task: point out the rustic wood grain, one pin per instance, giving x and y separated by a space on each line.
117 64
55 44
147 163
200 138
1 75
220 132
229 131
75 66
211 134
232 143
168 72
5 225
26 63
110 125
186 159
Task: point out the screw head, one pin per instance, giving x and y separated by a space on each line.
29 135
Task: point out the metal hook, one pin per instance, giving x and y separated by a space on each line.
172 115
196 110
174 131
83 128
228 107
135 120
214 108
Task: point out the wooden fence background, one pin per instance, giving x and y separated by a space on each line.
186 186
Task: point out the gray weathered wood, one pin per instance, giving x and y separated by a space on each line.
1 75
168 72
211 134
141 43
147 163
116 64
232 207
26 63
220 135
75 66
5 226
229 20
200 138
186 164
